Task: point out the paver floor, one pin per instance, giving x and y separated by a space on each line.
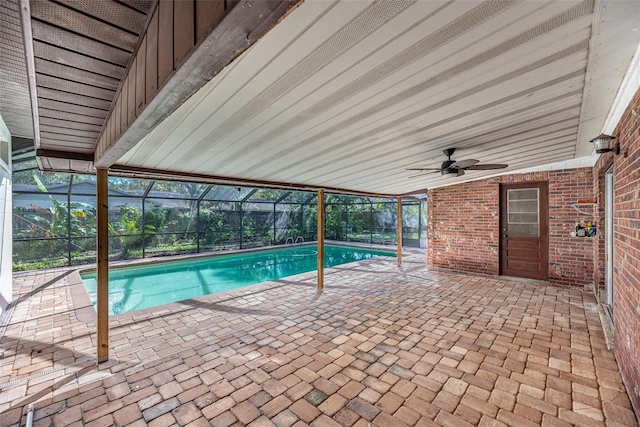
381 346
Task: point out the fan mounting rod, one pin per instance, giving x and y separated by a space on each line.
449 152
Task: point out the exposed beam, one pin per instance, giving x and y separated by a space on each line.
238 28
399 238
159 174
102 305
417 193
320 240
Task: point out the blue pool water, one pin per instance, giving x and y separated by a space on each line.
146 286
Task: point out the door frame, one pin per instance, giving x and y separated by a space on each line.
543 201
609 194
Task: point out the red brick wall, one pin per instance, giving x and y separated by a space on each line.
464 226
570 258
626 267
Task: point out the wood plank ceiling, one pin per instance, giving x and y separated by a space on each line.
351 94
108 71
81 52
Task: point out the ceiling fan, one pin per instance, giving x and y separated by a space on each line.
451 168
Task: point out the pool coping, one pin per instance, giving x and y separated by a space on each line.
166 259
85 310
83 307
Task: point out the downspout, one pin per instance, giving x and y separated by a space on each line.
32 409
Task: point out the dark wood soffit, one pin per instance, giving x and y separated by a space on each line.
68 155
240 27
78 67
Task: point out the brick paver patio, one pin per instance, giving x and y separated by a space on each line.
381 346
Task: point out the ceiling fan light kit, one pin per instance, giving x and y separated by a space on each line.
450 173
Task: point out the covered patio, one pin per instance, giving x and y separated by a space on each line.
382 345
534 105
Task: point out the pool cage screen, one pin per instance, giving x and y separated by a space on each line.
55 219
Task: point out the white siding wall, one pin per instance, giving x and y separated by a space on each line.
5 218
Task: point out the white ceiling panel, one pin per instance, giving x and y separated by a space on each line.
350 94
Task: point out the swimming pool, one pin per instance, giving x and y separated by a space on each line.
144 286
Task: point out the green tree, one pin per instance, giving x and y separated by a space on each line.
81 217
129 228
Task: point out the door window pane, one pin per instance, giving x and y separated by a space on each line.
523 212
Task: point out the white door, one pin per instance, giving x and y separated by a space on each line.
607 299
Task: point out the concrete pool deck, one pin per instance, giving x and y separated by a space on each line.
380 346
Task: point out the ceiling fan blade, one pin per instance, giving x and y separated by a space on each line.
424 173
423 169
463 164
460 172
486 167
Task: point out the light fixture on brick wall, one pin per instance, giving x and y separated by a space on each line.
603 144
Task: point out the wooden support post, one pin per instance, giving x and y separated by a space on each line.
320 240
399 256
102 305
